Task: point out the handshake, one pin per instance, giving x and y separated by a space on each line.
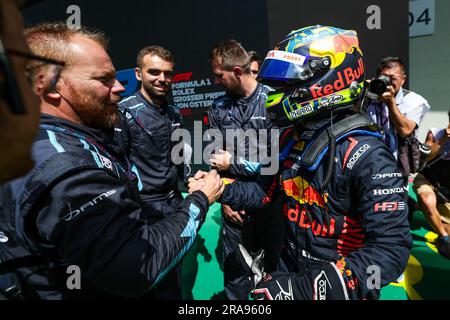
207 182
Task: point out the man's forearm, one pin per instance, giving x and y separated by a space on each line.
401 123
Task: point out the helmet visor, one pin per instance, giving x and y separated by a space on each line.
283 67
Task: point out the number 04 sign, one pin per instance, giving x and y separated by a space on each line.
421 17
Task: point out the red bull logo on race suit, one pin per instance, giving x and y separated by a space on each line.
299 189
305 194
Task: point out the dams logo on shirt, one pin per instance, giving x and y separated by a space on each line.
90 204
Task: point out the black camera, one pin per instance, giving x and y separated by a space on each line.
379 85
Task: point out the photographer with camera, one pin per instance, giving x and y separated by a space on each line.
432 186
398 112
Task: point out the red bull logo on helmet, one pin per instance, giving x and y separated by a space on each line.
342 81
336 47
345 43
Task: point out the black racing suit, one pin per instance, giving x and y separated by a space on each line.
261 229
147 131
349 238
80 207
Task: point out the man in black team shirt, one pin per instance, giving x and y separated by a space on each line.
150 122
242 109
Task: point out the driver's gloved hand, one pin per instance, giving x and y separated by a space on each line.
321 282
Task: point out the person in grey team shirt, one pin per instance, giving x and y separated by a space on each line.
242 108
150 121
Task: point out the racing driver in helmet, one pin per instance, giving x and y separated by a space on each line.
338 186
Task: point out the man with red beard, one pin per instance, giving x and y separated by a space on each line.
78 214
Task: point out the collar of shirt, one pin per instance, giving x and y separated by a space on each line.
399 97
161 108
104 137
244 101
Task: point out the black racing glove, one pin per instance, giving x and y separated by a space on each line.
323 282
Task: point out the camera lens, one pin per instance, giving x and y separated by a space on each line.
379 85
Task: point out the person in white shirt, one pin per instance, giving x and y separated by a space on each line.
398 112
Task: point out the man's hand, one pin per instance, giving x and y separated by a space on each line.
208 183
233 216
388 97
399 121
197 182
221 161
